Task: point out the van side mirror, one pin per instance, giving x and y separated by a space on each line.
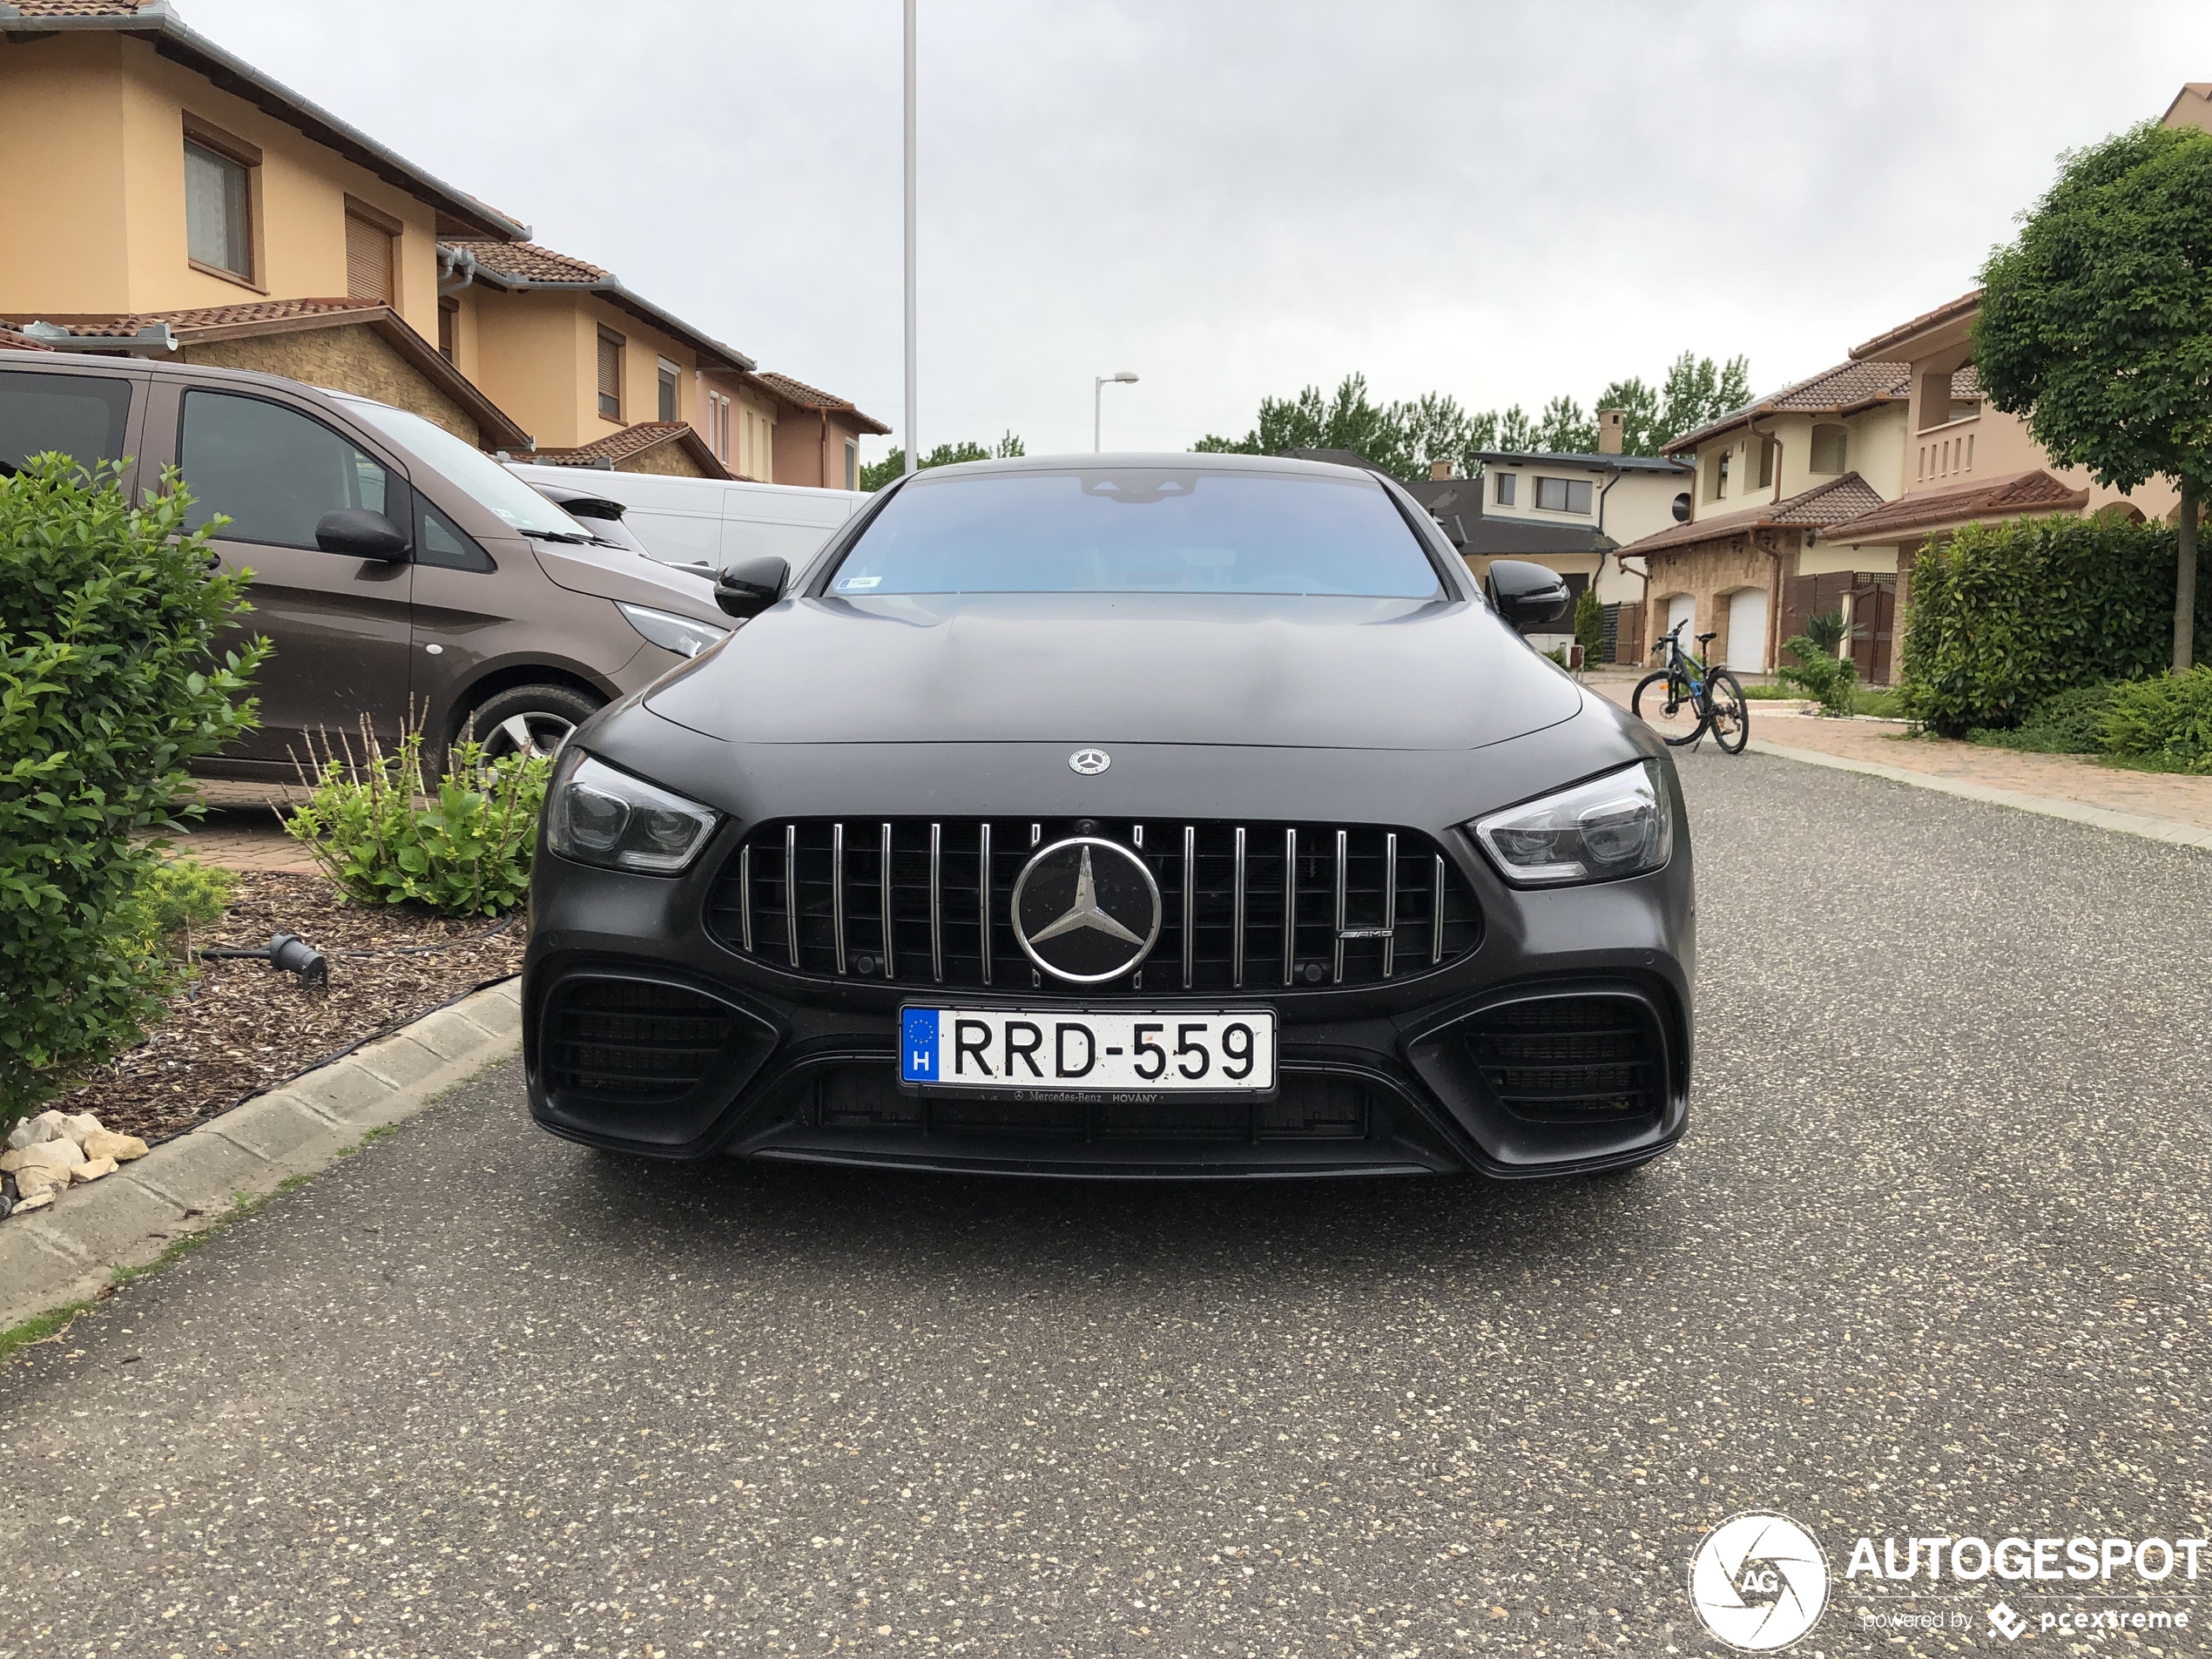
1525 594
361 534
747 587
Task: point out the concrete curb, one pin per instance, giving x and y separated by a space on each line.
2155 829
66 1253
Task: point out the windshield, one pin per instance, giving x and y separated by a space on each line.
1138 530
492 485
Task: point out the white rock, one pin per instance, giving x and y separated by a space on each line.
39 1180
90 1169
47 1126
106 1143
78 1125
38 1203
57 1155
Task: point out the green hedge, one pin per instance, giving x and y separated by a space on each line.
109 682
2001 617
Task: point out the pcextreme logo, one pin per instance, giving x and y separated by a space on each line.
1759 1582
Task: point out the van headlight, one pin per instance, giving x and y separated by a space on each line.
669 630
1619 825
598 815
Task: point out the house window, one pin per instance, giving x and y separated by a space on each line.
609 375
1766 462
1562 494
1830 448
851 464
371 238
218 214
449 327
1506 482
1716 474
1935 400
669 373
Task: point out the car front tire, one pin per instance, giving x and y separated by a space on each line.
538 720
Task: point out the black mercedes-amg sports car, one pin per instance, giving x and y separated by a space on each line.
1154 815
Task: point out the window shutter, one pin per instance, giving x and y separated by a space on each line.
368 262
610 377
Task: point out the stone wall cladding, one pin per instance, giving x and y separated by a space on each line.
345 358
668 458
1708 571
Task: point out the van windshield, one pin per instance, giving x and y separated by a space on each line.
491 484
1137 529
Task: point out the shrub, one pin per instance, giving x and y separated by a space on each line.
384 836
2168 719
2066 723
176 895
1828 678
109 681
2002 618
1826 631
1589 624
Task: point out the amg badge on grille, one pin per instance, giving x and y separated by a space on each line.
1086 910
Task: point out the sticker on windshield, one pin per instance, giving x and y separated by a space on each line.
852 582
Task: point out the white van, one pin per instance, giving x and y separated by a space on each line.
706 522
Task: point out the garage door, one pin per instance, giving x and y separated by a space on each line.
1682 608
1746 639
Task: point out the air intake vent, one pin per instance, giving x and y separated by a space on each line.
631 1042
865 1098
1269 907
1572 1059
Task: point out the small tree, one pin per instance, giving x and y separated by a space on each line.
1589 623
877 474
2097 325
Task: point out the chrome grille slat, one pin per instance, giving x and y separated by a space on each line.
1355 905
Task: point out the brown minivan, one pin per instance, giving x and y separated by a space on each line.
395 566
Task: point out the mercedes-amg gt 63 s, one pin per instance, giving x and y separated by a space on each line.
1157 815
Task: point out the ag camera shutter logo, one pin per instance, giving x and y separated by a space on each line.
1759 1582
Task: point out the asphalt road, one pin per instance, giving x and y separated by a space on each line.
1933 1259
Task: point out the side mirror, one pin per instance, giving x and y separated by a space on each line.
361 533
747 587
1525 594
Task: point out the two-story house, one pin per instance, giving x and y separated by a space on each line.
166 198
1758 550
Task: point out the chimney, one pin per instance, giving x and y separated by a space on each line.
1610 423
1440 469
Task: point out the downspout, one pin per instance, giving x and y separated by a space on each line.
823 416
1599 576
1773 648
451 260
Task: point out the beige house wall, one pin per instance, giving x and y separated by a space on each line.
92 128
535 352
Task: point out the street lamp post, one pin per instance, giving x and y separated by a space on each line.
1098 385
913 447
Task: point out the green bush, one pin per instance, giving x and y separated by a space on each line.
2066 723
384 836
1589 624
2004 617
109 682
1826 631
2168 719
1828 678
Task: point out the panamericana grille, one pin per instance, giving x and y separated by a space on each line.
631 1041
1306 1108
1245 906
1572 1058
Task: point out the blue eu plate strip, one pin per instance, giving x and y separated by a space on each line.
918 1047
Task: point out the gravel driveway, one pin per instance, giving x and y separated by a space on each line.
1933 1259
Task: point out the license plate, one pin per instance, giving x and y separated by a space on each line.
1087 1053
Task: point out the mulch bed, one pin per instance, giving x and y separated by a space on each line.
242 1027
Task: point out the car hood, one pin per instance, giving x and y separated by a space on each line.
1293 672
617 573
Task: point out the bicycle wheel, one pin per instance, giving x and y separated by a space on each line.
1727 711
1664 702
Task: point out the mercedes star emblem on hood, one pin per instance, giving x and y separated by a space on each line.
1089 762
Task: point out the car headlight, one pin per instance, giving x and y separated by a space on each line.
598 815
669 630
1614 826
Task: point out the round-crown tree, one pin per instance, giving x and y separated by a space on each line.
2096 324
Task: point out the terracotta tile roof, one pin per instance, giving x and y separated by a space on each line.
116 326
810 397
1840 390
1836 501
10 339
1950 311
76 8
532 263
633 441
2035 491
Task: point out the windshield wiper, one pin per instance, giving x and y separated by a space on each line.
559 535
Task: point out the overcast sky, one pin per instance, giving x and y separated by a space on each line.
1499 201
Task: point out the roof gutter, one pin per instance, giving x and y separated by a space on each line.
731 356
155 339
167 27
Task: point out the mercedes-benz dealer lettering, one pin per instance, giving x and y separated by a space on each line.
1164 815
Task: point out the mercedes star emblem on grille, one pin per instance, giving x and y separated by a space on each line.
1086 910
1089 762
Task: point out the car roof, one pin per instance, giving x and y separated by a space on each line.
1161 460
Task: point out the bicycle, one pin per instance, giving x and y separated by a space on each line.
1694 697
